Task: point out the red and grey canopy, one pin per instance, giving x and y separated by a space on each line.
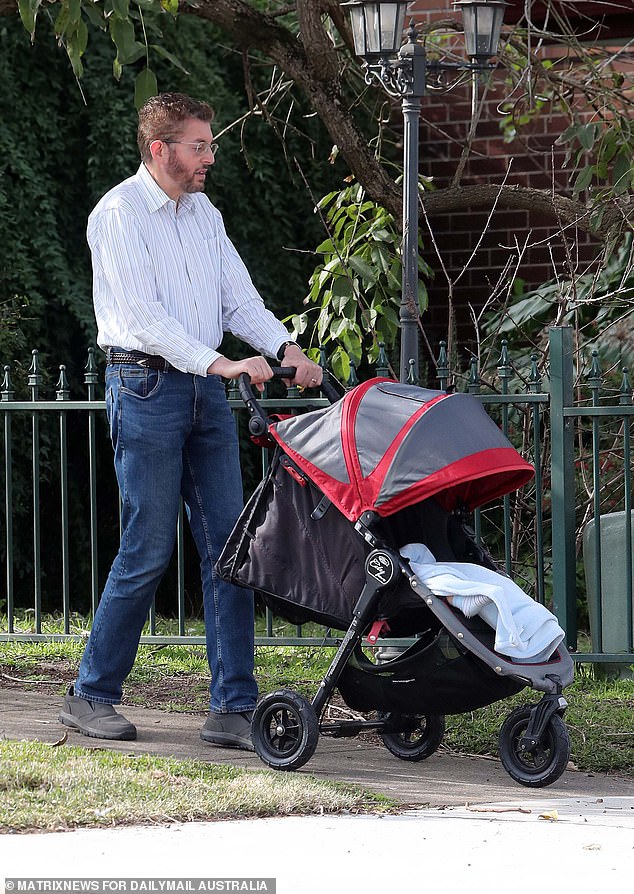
385 446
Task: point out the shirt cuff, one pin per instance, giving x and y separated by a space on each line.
200 362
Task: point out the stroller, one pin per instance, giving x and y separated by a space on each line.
347 486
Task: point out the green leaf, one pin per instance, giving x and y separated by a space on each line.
622 174
74 11
62 21
170 6
128 49
94 14
340 363
121 8
169 56
584 179
587 134
422 297
78 39
145 86
28 13
366 272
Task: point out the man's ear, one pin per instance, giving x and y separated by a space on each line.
157 148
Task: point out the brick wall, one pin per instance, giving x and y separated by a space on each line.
532 161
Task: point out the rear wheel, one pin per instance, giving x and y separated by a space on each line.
284 730
545 763
418 738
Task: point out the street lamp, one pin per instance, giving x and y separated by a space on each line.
404 72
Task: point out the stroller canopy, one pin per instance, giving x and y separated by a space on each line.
385 446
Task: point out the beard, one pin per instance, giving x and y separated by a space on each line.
187 181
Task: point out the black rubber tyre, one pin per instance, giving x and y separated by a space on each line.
546 763
420 739
284 730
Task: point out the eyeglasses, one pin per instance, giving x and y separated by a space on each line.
200 148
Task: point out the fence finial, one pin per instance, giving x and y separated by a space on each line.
353 381
35 377
323 357
504 366
535 380
442 366
595 377
63 389
474 377
382 363
7 391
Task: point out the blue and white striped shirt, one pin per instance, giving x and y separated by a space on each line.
168 280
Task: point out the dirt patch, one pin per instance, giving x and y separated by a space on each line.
179 692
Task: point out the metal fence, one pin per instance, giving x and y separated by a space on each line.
60 503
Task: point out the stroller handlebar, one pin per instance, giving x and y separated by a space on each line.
258 420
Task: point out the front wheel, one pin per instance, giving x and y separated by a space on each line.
418 738
545 763
284 730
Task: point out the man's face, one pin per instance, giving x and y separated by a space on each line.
184 167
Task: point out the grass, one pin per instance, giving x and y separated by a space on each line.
57 788
46 788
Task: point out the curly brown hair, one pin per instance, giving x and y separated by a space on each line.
161 117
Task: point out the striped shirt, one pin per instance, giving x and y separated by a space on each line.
167 280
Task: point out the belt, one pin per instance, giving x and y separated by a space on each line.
149 361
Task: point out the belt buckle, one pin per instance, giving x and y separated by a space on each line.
143 362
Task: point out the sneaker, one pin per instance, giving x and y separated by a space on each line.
228 730
94 718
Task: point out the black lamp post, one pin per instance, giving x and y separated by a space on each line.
404 72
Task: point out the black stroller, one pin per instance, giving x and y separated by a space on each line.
347 487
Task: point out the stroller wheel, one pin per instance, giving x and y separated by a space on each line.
418 736
546 762
284 730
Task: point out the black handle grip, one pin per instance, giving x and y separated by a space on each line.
258 420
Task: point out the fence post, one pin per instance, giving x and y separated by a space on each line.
563 482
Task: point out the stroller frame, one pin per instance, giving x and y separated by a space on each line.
534 743
286 726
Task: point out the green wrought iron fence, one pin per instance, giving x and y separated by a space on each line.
536 532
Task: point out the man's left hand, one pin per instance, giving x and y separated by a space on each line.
309 374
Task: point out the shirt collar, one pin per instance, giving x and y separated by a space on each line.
156 197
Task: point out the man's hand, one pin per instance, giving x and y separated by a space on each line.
257 368
309 374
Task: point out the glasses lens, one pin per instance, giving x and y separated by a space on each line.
202 148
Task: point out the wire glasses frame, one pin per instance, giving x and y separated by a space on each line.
200 147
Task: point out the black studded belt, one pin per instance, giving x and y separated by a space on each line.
149 361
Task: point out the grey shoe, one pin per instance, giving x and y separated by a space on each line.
228 730
95 719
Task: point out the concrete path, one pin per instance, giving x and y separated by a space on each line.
479 831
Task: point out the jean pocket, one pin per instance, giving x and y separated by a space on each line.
140 382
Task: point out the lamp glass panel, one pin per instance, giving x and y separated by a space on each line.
357 23
384 27
482 24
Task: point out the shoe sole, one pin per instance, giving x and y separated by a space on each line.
226 740
69 720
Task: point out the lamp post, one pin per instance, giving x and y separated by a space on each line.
404 72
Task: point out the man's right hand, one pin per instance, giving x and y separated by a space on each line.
256 367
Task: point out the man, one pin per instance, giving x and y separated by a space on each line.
167 283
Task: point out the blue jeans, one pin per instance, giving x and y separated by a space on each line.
173 434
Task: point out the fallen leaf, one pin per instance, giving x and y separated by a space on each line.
61 741
551 815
